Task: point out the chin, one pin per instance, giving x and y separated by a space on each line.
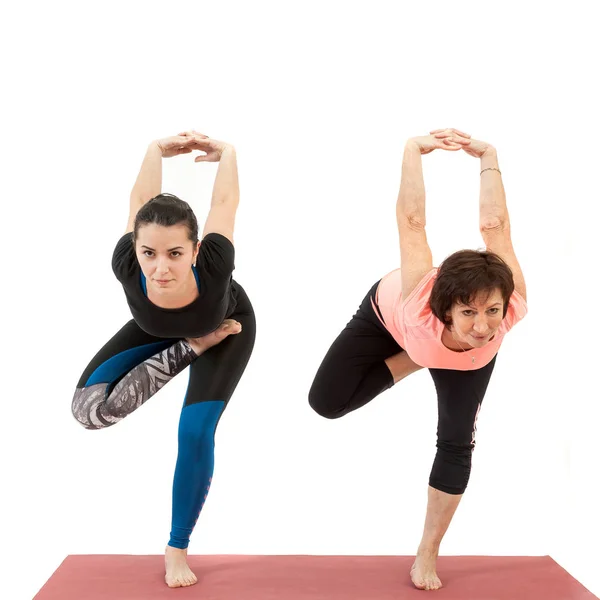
481 343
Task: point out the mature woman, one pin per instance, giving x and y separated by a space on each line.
187 310
451 320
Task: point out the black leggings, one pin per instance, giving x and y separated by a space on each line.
354 372
133 366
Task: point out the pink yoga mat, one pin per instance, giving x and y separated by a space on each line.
230 577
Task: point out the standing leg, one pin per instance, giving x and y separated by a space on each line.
460 394
213 379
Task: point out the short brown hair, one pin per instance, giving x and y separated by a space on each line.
466 274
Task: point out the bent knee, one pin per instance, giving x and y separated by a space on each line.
323 406
85 405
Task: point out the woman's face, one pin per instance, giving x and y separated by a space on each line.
476 323
166 256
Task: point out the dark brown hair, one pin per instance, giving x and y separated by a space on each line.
167 209
466 274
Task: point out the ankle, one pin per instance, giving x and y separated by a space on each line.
197 347
428 550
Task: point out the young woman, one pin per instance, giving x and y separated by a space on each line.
451 320
187 311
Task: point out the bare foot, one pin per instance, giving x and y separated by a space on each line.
202 344
178 574
423 574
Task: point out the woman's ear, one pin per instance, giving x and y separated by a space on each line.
448 320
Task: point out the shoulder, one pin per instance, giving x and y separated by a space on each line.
517 309
217 253
124 260
422 288
415 307
218 239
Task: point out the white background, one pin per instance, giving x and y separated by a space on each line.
319 100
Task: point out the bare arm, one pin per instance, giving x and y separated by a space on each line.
225 196
494 222
148 183
492 199
415 254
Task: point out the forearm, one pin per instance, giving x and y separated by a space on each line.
226 188
149 180
492 199
411 198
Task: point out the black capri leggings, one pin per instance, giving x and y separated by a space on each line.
354 372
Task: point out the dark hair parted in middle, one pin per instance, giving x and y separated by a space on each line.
167 210
466 274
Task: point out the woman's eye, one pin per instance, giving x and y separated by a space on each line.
495 310
173 253
467 313
147 252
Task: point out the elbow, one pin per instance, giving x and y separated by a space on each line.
230 201
491 224
411 220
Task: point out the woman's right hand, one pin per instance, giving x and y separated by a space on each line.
475 148
214 148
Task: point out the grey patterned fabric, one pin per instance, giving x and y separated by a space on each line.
95 410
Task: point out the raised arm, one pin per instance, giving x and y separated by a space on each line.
148 183
494 222
149 180
415 255
225 196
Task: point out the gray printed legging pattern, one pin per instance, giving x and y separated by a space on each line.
94 408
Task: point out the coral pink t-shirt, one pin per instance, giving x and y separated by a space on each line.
418 331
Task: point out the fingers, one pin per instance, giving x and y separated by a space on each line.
448 132
178 142
466 135
456 140
200 143
448 144
193 133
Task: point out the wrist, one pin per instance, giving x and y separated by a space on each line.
489 152
489 160
229 149
155 146
412 144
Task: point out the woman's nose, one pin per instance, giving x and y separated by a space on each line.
162 266
481 325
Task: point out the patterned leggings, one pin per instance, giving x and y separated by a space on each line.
134 365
